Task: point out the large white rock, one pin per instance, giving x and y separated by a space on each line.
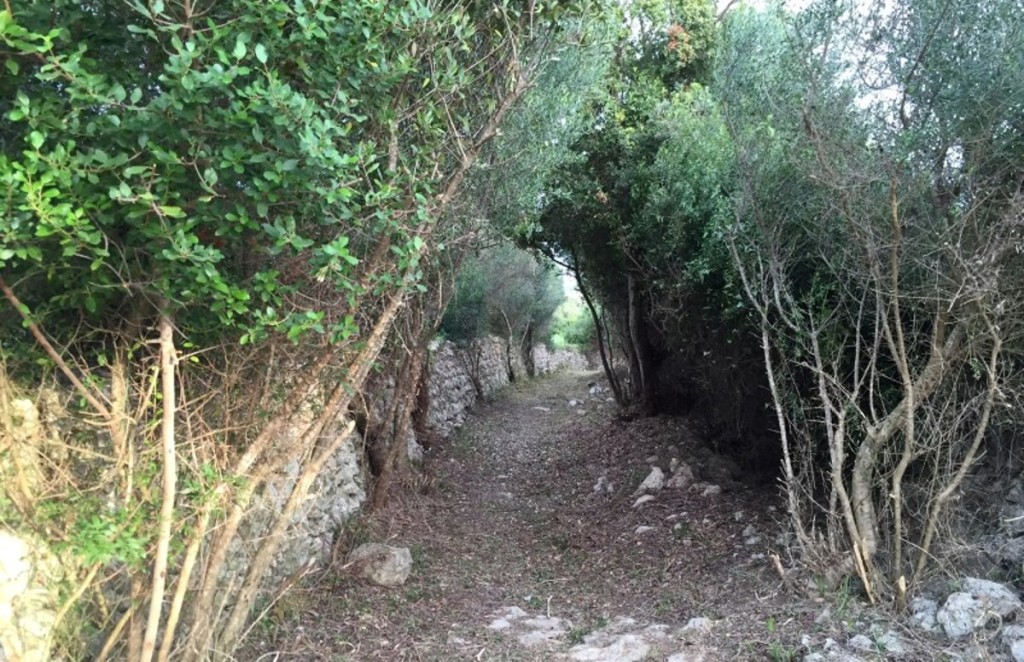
382 564
992 595
960 615
923 612
653 483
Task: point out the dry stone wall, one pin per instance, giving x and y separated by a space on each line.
549 360
454 369
335 496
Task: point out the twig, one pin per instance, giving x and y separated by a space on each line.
51 352
777 562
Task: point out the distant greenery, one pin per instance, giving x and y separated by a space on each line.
504 291
572 326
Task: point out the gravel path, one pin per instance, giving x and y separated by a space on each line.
527 546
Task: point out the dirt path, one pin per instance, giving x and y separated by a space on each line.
527 545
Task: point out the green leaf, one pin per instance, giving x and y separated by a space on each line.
261 53
172 212
36 139
239 51
12 66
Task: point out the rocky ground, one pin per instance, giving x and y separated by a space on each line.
547 530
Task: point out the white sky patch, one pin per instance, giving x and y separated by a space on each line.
572 292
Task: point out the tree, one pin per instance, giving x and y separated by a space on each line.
877 245
594 206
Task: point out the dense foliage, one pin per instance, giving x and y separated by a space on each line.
502 290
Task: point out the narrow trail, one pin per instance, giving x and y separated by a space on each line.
527 545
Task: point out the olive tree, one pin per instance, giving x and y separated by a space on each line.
877 234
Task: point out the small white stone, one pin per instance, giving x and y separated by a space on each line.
647 498
640 530
700 624
862 642
711 490
653 483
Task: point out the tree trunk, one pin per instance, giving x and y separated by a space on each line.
509 368
609 371
421 413
639 352
406 390
526 349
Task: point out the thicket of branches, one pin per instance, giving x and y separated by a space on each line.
878 238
